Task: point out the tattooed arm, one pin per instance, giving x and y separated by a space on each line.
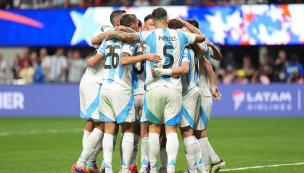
125 29
199 36
99 38
126 59
215 53
128 37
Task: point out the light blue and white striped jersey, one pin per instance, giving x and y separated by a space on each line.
169 45
107 28
190 80
138 74
95 73
116 77
204 82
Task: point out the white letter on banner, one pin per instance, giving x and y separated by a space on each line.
249 98
258 97
274 97
7 100
266 96
285 96
18 100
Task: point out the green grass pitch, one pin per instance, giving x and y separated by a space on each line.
53 145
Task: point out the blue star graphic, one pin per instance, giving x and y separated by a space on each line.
85 26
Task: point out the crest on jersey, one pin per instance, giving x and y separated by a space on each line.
131 48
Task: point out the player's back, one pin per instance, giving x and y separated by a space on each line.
190 80
116 77
169 45
95 73
138 75
204 82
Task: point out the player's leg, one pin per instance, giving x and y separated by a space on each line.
127 145
191 110
154 105
163 152
144 133
172 116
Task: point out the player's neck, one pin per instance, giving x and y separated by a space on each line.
161 26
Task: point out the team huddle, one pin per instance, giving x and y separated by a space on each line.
150 83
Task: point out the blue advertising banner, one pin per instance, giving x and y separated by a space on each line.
275 100
225 25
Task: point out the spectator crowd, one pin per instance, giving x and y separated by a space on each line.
38 4
33 67
280 70
43 68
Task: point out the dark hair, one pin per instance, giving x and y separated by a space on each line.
149 16
115 14
294 58
139 23
175 24
128 20
193 22
159 15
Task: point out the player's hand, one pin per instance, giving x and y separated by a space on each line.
153 57
208 43
153 70
108 36
215 93
179 19
103 27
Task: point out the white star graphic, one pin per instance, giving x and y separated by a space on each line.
218 26
275 13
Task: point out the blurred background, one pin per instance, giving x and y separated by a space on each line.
44 46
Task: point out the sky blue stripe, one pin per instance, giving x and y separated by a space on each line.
196 72
204 117
111 71
104 118
188 117
93 106
121 68
149 115
182 42
82 115
125 112
175 120
188 76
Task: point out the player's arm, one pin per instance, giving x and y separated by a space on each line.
124 29
99 38
123 36
199 36
126 59
215 53
93 61
212 79
177 71
103 27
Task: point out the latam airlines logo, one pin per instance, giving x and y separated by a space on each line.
263 100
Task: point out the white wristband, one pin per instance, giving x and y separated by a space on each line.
162 72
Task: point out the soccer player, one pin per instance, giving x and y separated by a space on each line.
207 81
89 99
149 25
116 96
163 101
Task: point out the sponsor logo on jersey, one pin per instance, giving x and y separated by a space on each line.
131 48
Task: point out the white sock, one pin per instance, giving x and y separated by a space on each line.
90 145
135 149
205 152
102 166
213 157
127 150
107 144
172 150
93 157
190 149
86 134
163 158
199 157
144 153
153 150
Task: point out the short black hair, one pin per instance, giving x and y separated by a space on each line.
139 23
175 24
159 15
149 16
128 20
193 22
115 14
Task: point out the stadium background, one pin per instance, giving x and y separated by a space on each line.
46 143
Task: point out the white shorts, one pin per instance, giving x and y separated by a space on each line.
191 110
162 104
205 111
116 107
89 99
138 106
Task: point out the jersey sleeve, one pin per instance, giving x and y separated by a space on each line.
186 55
129 48
107 28
190 37
101 49
142 36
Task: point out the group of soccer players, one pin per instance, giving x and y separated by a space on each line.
150 83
